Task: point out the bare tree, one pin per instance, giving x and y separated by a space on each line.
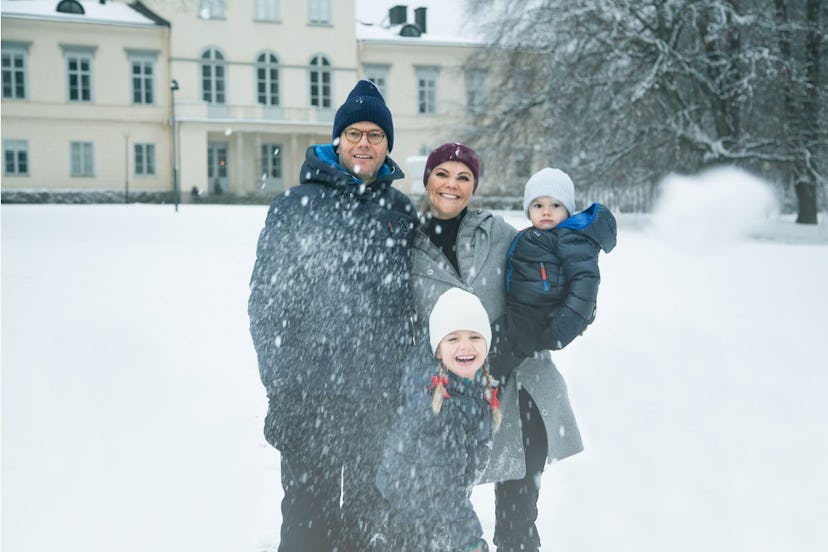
621 92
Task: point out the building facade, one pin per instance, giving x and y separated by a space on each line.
85 99
213 98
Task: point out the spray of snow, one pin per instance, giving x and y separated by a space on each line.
711 209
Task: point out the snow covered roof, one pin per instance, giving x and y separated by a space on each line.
446 22
117 13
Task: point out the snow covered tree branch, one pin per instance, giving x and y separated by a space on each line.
621 92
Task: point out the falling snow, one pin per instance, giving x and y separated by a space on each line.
132 409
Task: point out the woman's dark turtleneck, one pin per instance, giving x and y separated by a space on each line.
443 234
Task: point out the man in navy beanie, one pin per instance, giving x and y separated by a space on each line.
364 103
329 309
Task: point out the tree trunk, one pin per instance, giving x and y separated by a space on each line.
806 197
797 115
806 190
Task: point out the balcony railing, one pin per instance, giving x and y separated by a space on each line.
205 112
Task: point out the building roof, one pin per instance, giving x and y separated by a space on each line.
446 22
112 13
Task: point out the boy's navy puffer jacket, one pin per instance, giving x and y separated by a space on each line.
552 279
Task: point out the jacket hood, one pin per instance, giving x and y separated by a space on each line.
322 166
595 222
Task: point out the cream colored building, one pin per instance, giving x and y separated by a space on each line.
253 84
84 96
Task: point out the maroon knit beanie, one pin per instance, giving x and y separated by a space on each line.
453 152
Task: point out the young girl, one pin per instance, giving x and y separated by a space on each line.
440 443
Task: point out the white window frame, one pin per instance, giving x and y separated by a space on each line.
144 159
82 159
212 60
378 74
268 10
19 151
15 78
319 12
211 9
83 88
427 90
142 84
267 79
475 91
271 160
320 82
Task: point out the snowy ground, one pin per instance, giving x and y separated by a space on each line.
132 410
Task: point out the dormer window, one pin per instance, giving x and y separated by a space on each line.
410 30
69 6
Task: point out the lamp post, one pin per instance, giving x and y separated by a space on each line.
173 88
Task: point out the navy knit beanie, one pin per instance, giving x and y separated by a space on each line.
364 103
453 152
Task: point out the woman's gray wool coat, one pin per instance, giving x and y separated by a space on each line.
482 242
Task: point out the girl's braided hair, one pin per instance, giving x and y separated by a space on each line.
440 393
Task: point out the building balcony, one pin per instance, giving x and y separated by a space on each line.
252 113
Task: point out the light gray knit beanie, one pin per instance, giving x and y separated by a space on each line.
552 183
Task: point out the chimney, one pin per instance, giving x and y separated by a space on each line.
398 15
420 19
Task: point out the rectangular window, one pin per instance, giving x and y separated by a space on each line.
83 162
271 161
14 72
79 75
378 74
143 80
211 9
15 157
475 91
267 10
427 90
319 11
145 159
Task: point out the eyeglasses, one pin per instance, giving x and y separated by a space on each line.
354 136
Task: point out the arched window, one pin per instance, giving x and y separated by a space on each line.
69 6
213 71
320 82
267 79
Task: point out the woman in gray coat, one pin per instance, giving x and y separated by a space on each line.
460 247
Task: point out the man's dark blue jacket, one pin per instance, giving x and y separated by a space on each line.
329 300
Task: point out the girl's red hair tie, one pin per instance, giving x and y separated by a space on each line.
494 402
437 380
